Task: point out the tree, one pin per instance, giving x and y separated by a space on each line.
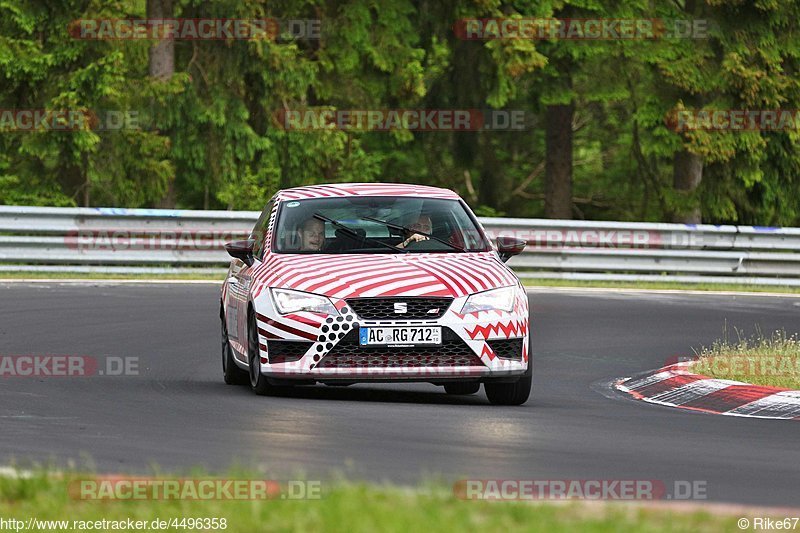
43 67
748 61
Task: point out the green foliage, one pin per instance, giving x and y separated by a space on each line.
208 137
342 507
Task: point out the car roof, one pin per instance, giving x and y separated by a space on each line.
364 189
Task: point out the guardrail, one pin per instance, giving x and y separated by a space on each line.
156 241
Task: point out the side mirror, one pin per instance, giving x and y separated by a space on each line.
508 247
242 250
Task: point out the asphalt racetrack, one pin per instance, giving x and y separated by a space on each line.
177 413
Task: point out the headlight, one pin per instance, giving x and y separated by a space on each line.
500 299
288 301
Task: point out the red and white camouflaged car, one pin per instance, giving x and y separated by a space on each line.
349 283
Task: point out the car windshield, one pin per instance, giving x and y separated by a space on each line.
376 224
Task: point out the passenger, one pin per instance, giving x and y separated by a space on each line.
312 235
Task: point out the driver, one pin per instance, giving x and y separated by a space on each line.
312 235
423 224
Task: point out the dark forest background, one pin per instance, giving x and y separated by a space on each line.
598 146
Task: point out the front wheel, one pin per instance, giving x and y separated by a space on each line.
232 374
258 383
515 393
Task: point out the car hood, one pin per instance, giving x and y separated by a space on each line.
375 275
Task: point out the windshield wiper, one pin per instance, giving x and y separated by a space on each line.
410 230
353 233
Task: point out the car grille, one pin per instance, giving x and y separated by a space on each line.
286 351
507 348
384 308
452 352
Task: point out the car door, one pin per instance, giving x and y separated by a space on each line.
240 279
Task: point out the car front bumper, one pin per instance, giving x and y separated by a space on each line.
331 352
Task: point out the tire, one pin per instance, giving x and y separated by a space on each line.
258 383
515 393
462 388
232 374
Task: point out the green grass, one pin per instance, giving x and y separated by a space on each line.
354 507
760 360
662 285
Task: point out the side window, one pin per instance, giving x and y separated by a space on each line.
259 233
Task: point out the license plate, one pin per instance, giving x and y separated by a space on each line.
406 335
